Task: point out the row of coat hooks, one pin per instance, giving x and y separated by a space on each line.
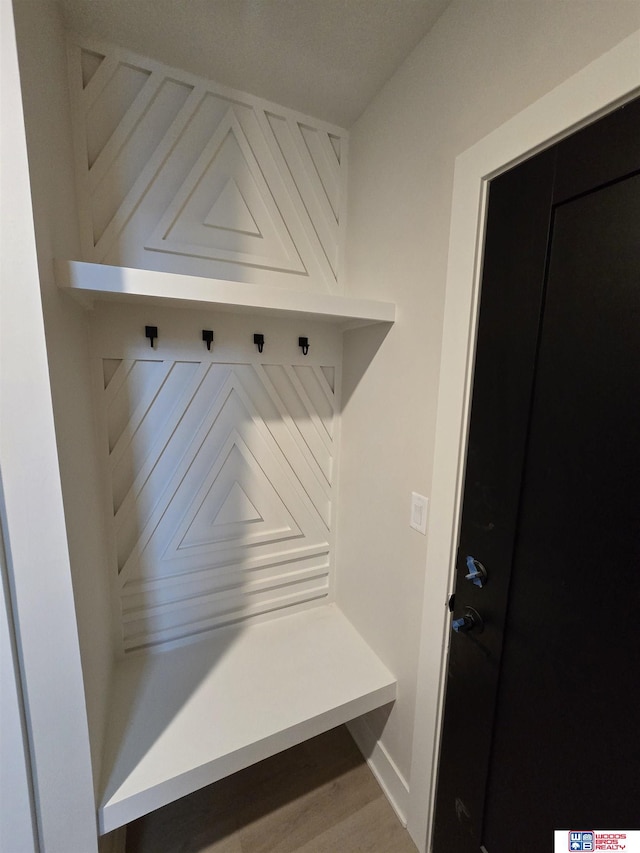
151 332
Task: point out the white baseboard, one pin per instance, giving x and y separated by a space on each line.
113 842
390 779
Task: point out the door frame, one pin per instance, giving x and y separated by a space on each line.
607 83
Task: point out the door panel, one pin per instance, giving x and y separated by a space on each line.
550 509
566 738
503 382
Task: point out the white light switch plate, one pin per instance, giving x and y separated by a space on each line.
418 518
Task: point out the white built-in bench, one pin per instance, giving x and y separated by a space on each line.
184 718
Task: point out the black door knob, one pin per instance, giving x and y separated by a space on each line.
470 621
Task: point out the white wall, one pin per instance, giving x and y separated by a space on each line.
481 64
43 73
32 515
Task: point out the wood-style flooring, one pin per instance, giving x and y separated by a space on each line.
318 797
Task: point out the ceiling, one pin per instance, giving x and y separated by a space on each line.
326 58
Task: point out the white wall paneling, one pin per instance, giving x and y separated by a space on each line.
220 477
221 466
176 173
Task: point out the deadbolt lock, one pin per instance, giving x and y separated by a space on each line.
470 621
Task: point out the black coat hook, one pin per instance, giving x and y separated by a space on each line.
207 337
151 332
259 340
303 343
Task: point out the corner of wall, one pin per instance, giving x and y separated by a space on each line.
42 57
381 764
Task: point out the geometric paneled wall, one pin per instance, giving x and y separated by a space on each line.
221 472
178 174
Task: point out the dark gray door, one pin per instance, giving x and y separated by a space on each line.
543 687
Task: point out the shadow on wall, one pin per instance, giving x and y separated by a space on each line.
361 346
211 523
219 465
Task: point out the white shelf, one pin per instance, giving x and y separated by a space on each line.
89 282
184 718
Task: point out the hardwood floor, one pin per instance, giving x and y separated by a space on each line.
318 797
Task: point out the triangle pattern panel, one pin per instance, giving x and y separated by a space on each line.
130 392
230 212
322 156
290 424
314 390
139 502
129 164
106 114
196 224
233 446
298 161
234 535
240 505
167 500
231 199
90 61
329 374
336 145
291 391
109 369
237 507
148 430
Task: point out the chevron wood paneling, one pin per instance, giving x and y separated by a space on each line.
178 174
221 477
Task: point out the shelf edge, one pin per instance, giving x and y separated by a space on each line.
88 282
117 812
